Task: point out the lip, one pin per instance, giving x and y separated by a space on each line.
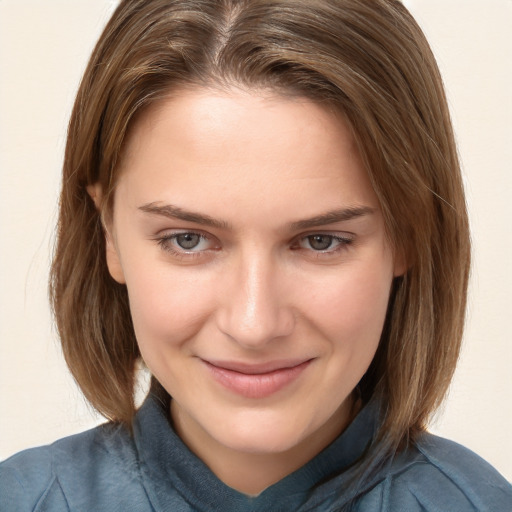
256 380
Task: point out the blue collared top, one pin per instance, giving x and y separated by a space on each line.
108 469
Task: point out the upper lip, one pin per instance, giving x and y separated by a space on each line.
257 368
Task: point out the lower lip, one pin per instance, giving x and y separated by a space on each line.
259 385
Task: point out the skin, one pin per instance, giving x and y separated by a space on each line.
253 285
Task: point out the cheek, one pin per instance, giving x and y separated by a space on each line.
351 317
350 308
166 307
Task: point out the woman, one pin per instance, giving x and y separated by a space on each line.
262 201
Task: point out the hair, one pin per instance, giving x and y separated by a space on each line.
365 58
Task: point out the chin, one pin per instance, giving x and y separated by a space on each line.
260 433
261 442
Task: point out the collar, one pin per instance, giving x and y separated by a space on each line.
172 473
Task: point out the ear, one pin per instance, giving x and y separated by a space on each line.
112 253
113 261
400 263
96 194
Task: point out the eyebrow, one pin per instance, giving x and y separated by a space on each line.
332 217
175 212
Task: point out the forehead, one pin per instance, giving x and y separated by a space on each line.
233 145
224 116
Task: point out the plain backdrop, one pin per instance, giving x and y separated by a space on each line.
44 47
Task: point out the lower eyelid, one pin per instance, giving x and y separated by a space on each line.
166 247
168 244
337 251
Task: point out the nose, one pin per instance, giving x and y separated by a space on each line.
255 307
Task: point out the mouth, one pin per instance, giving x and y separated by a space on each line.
256 380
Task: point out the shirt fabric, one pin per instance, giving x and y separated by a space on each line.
108 469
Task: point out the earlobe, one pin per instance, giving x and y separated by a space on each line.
400 264
113 262
400 269
94 191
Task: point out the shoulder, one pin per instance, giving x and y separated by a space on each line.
25 478
438 474
53 477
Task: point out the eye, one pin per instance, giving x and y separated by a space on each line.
186 243
323 243
320 242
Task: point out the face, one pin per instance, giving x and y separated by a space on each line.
257 266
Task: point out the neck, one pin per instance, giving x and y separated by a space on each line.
252 472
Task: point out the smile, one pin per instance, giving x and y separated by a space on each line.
256 381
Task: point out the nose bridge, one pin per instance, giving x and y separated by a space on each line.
255 309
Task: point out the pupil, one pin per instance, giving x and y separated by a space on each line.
187 240
320 242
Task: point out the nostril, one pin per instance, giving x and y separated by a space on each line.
256 326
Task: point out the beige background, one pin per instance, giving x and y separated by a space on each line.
43 50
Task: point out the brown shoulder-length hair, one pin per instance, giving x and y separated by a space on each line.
365 58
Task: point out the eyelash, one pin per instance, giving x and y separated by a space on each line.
342 241
165 242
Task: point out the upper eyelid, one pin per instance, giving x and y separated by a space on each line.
182 231
339 238
172 233
175 234
327 231
336 235
332 231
